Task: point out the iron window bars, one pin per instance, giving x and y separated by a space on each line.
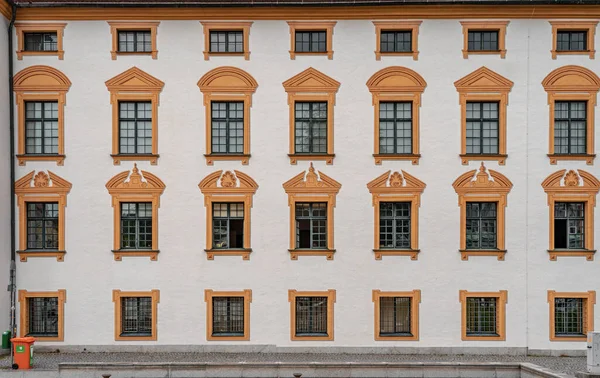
227 123
482 128
41 127
395 127
228 225
569 225
481 316
136 225
483 40
568 317
311 127
136 316
395 316
42 225
481 225
228 316
135 41
571 40
570 125
135 127
224 41
395 41
46 41
43 316
394 225
311 225
311 316
311 41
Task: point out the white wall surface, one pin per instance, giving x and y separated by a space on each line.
89 273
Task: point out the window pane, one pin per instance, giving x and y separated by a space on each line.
569 225
311 316
481 317
228 316
310 127
43 316
568 317
136 316
395 316
311 225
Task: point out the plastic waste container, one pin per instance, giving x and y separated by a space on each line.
6 340
23 352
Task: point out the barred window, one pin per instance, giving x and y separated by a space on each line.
227 41
569 225
394 225
136 316
42 225
311 316
228 225
396 41
41 127
395 127
311 225
311 127
135 41
43 316
483 40
228 316
135 127
482 127
395 316
41 41
481 225
570 123
311 41
571 41
481 316
569 317
227 122
136 225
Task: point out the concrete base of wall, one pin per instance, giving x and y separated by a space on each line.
581 374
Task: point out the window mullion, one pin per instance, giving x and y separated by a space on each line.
228 224
395 109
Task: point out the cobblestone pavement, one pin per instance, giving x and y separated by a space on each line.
568 365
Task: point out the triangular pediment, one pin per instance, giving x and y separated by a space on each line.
135 181
42 182
134 79
572 78
228 182
312 181
483 80
396 182
311 80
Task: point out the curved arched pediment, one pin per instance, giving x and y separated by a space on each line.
482 183
396 79
41 78
571 79
227 79
572 180
306 182
230 182
144 182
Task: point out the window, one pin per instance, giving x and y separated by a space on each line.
40 39
226 41
573 38
570 127
135 128
134 38
396 41
569 225
571 315
228 225
484 37
42 315
226 38
311 127
136 225
394 225
482 128
227 127
311 225
311 38
42 225
311 315
41 127
228 315
41 42
481 225
396 315
482 40
396 38
395 127
136 315
483 315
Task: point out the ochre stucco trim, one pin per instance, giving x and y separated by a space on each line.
311 26
495 25
24 297
116 27
415 301
331 298
501 300
589 300
116 297
412 26
208 298
244 27
39 27
587 26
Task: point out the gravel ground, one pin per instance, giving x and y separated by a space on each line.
568 365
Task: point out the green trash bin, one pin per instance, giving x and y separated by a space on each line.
6 340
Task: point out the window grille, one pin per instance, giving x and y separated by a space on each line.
481 225
394 225
135 127
41 42
311 41
396 41
135 41
136 225
481 316
43 316
227 122
571 41
136 316
482 127
483 40
41 127
395 316
311 127
228 316
311 225
227 41
311 316
228 225
569 225
42 225
395 127
570 123
569 317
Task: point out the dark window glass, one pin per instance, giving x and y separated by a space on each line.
136 316
571 41
228 225
227 123
483 40
570 122
311 127
568 317
482 128
394 316
43 317
227 41
311 41
396 41
135 127
481 317
42 225
395 127
481 225
311 225
394 225
135 41
136 225
311 316
41 42
569 225
41 127
228 316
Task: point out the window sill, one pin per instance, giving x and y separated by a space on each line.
60 54
379 337
414 158
413 253
24 255
208 54
466 53
591 54
465 253
119 254
152 158
414 54
328 158
294 253
500 158
329 54
555 253
312 338
483 338
46 338
589 158
569 338
227 338
135 338
244 252
154 53
211 158
59 159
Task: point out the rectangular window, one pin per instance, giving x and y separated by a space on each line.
569 317
41 127
228 225
395 127
228 316
135 127
569 225
482 128
481 225
396 41
136 316
571 40
483 40
227 123
570 126
41 41
481 316
311 316
135 41
42 225
227 41
311 41
394 225
395 316
311 127
311 225
136 225
43 316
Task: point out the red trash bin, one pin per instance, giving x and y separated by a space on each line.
23 352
